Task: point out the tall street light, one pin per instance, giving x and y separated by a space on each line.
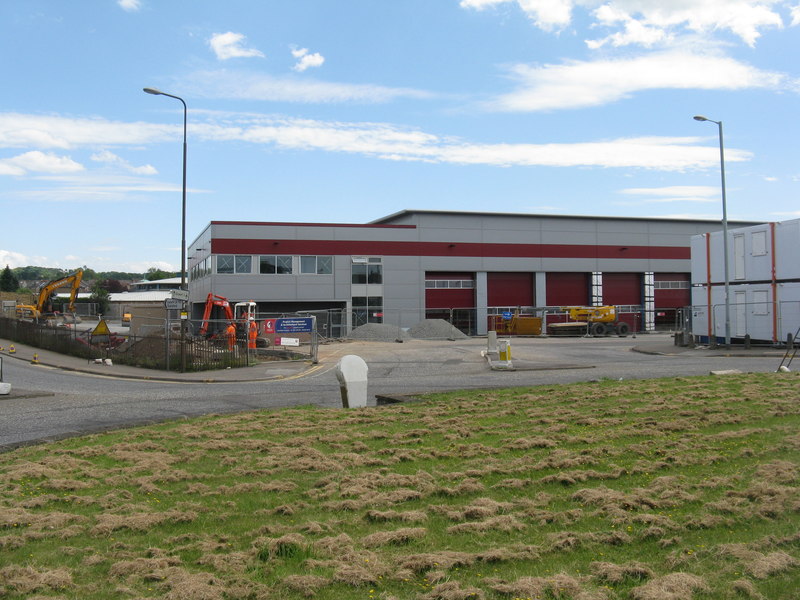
156 92
724 232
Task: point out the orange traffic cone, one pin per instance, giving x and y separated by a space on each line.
35 359
11 349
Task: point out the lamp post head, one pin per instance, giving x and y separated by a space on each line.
153 91
696 118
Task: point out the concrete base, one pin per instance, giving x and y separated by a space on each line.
5 388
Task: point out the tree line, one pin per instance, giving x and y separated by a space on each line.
111 281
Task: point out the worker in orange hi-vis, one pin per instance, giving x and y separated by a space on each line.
252 334
230 333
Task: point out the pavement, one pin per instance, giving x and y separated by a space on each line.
263 371
656 344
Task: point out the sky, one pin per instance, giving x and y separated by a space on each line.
348 111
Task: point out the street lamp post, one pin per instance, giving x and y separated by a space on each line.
724 232
156 92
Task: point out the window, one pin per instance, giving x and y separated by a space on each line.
358 274
234 264
760 302
268 265
375 274
671 285
224 264
316 265
367 309
452 284
759 240
366 270
244 264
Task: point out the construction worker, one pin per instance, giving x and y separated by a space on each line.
230 334
252 334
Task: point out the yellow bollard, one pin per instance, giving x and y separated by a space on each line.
504 347
11 349
35 359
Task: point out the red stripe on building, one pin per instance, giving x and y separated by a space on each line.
384 248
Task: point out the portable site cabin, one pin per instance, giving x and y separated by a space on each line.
763 283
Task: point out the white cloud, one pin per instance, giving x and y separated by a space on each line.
43 162
129 5
389 142
546 14
15 259
51 131
647 21
228 45
795 13
108 157
577 84
675 193
241 85
306 60
378 140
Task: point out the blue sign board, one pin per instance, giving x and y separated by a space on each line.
297 325
507 316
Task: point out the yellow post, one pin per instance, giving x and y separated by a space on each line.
35 359
11 349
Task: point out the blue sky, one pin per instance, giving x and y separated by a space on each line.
347 111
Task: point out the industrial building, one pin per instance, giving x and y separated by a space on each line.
464 266
763 283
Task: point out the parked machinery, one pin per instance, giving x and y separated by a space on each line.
42 309
241 315
591 320
517 324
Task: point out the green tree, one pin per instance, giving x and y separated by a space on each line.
8 281
154 273
101 297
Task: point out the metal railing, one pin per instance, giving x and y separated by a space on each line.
762 322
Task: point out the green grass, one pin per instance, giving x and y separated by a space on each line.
605 490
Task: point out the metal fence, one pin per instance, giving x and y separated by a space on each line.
762 322
159 347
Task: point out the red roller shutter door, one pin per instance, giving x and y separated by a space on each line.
622 288
568 289
510 289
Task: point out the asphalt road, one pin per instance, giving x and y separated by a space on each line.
50 403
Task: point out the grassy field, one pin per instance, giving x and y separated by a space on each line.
651 490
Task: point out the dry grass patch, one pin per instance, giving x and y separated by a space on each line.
585 492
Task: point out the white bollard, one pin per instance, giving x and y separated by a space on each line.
492 343
351 371
5 389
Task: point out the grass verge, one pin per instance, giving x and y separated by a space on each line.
662 489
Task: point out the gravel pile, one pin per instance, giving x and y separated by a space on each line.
436 329
379 332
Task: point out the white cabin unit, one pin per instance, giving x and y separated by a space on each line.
763 283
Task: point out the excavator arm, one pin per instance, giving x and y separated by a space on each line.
211 301
48 288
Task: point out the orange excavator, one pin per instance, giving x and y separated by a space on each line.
240 314
220 302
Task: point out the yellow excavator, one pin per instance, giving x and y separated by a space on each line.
39 310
